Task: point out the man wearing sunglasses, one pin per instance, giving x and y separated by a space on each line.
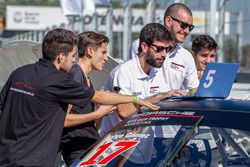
142 75
179 67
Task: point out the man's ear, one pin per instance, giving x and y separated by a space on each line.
144 47
59 60
193 53
61 57
89 52
167 21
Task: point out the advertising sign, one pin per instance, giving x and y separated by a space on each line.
40 18
33 18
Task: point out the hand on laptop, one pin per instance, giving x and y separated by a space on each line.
176 92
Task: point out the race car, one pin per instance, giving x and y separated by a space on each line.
184 132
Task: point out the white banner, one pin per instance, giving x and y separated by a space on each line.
39 18
26 18
72 7
102 2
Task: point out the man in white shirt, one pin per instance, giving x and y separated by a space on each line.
142 75
177 72
179 67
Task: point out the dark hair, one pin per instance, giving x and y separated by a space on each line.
57 41
173 9
90 39
203 41
153 32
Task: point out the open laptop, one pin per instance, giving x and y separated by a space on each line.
216 82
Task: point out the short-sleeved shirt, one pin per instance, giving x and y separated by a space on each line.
179 68
133 51
33 104
178 72
132 80
75 138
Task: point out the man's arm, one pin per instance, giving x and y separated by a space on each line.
72 120
4 93
191 78
192 91
124 110
108 98
103 98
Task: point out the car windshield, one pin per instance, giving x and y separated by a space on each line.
168 138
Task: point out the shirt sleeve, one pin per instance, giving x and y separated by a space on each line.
191 80
122 79
4 93
134 49
110 85
67 90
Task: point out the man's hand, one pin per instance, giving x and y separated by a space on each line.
145 103
200 73
176 92
105 110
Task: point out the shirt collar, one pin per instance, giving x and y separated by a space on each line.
140 74
46 63
174 51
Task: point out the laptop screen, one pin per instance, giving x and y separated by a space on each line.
217 80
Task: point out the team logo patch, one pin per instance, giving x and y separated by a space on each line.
154 89
176 66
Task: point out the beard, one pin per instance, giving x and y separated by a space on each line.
153 62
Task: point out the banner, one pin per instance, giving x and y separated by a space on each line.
72 7
102 2
39 18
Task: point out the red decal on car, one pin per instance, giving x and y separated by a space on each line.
123 146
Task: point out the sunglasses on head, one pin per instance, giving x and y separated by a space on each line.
183 25
159 49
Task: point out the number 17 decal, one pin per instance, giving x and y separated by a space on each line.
122 147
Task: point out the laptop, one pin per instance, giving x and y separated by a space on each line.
216 82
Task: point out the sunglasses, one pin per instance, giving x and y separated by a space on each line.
159 49
183 25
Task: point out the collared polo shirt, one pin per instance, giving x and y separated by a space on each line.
179 69
33 104
132 80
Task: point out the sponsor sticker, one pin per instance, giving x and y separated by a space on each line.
177 66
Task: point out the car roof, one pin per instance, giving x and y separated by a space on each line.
221 113
224 114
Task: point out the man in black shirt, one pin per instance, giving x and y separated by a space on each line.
81 132
34 100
